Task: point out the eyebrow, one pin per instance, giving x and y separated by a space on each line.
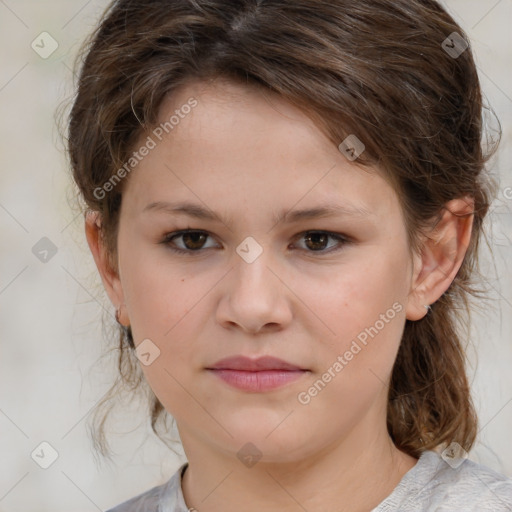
199 212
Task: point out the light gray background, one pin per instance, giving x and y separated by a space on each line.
50 313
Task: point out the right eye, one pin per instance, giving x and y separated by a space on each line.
192 241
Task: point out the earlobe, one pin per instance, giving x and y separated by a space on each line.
443 251
109 276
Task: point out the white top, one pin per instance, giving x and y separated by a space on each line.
432 485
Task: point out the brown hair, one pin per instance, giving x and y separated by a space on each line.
379 69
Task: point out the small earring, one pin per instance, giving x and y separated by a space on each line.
427 307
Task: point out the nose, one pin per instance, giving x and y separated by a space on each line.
255 297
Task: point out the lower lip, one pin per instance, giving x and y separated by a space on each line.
258 381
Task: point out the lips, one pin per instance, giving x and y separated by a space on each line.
256 375
243 363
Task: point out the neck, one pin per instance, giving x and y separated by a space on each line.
355 475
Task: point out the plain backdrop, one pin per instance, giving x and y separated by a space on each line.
51 312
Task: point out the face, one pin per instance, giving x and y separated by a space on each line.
326 293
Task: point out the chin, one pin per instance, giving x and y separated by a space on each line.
261 439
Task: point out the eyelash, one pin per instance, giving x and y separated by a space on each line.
171 236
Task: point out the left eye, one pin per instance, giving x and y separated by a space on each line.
317 240
194 240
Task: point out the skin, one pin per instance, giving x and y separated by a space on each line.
246 155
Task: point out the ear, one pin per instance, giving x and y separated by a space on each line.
109 276
442 254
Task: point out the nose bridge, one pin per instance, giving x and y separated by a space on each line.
252 268
253 299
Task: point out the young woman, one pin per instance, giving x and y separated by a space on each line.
284 201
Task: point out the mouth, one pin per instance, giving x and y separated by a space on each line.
256 375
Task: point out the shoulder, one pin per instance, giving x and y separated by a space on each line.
434 485
163 498
145 502
470 486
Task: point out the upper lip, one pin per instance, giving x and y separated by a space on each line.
248 364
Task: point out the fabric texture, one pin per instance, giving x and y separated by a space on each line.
432 485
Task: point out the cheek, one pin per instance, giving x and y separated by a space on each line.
353 296
157 295
365 307
357 363
162 305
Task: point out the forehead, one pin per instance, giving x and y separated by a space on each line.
243 146
224 106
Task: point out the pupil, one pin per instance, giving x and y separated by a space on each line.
193 236
315 236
